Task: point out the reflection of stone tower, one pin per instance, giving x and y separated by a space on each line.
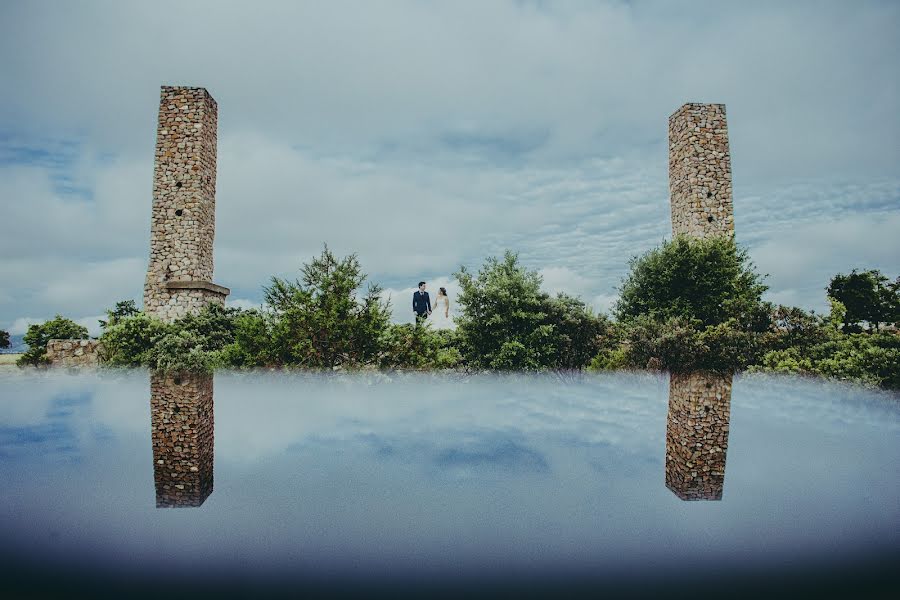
181 413
700 171
179 275
697 435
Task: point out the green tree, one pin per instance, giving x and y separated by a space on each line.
508 323
213 326
503 318
794 327
252 341
871 359
580 334
710 280
868 296
4 339
130 341
123 308
684 345
38 335
319 321
417 346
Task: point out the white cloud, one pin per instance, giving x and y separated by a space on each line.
92 324
801 264
21 325
243 304
425 137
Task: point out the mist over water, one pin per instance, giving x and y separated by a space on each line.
285 478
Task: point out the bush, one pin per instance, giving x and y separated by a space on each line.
417 346
318 321
252 341
180 351
682 345
872 359
124 308
213 327
868 296
194 342
709 280
508 323
610 359
4 339
579 333
38 335
130 341
793 327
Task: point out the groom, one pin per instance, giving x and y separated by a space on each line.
421 302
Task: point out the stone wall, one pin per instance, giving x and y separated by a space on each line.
700 171
181 415
74 353
183 224
697 435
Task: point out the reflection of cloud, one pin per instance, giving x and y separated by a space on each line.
491 454
55 432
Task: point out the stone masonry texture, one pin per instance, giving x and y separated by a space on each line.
74 353
181 416
697 435
700 171
184 206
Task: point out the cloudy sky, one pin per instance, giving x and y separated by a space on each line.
426 135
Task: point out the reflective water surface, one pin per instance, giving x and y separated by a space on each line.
443 480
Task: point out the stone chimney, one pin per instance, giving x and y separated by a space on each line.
180 271
700 171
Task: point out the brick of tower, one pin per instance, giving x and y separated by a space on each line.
697 435
700 171
182 426
180 271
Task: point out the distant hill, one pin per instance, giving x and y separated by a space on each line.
16 345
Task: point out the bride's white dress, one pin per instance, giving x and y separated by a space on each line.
437 320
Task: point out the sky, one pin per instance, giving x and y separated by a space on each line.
424 136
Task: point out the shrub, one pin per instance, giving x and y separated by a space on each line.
508 323
124 308
417 346
180 351
868 296
682 345
318 321
610 359
872 359
213 326
793 327
252 340
579 333
4 339
709 280
38 335
129 341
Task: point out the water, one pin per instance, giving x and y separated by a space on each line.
627 482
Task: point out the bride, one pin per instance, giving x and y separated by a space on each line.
440 313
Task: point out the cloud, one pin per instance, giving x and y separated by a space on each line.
801 264
425 137
242 303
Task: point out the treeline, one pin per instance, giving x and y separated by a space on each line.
687 305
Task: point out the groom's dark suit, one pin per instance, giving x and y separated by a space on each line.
421 303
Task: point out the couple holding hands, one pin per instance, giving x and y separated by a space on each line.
440 315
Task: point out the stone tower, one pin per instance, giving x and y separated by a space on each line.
181 417
180 272
697 435
700 171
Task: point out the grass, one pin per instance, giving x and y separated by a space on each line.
9 359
